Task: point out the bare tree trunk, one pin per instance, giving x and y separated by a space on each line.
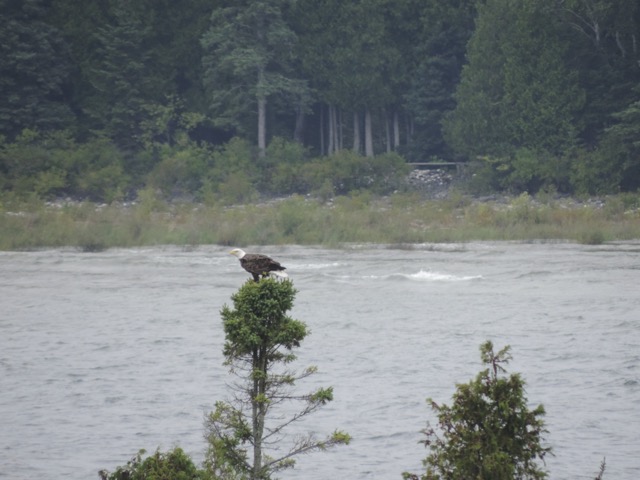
409 127
330 145
334 135
258 411
298 132
587 23
322 150
356 132
623 50
339 130
336 129
396 130
368 134
262 126
387 131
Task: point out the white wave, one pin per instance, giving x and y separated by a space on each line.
317 266
440 277
425 277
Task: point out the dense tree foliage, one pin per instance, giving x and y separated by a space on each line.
488 431
171 465
516 91
539 94
34 70
248 56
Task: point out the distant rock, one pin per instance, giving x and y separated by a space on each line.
433 182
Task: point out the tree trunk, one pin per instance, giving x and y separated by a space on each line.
368 134
334 135
409 127
331 146
258 409
387 132
334 123
298 133
356 132
339 128
322 150
262 126
396 131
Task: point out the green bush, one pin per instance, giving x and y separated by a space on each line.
597 172
181 171
172 465
488 432
96 171
28 166
236 188
526 170
233 175
483 176
348 171
237 155
283 168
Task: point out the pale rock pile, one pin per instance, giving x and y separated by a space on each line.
435 181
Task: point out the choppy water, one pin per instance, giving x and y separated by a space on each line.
102 354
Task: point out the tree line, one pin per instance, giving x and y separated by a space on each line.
537 95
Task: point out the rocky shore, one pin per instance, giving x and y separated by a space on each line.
437 184
434 183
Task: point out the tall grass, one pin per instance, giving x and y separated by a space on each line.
398 219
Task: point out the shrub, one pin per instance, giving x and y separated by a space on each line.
282 168
595 172
348 171
172 465
96 171
488 431
236 188
181 171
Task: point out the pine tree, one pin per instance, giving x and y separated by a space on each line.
260 339
517 90
34 69
248 53
121 79
488 432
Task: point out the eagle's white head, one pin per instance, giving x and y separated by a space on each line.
237 252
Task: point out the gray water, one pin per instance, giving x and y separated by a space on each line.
102 354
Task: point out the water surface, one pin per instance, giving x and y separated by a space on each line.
102 354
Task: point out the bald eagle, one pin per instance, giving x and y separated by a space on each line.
258 265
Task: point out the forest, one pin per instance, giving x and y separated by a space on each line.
228 101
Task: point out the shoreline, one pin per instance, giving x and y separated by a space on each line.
402 219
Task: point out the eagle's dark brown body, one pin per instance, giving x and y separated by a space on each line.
259 266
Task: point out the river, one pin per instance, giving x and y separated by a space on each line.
102 354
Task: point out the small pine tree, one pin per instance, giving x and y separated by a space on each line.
260 338
488 432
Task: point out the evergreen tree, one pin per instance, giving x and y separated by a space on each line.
248 57
516 91
347 55
604 36
437 53
172 465
122 78
488 432
34 69
260 339
615 164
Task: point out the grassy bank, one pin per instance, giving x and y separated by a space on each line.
398 219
